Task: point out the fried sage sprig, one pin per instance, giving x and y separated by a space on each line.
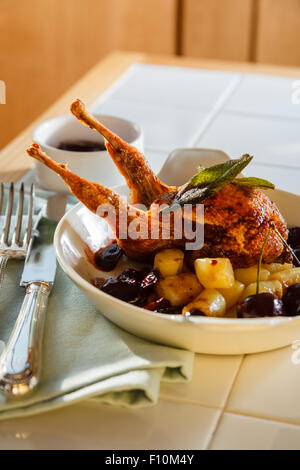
210 180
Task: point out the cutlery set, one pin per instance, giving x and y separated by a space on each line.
20 362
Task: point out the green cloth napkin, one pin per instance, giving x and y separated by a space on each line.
85 356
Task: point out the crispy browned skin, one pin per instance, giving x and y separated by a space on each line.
92 195
143 184
236 220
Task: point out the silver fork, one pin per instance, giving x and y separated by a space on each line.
18 247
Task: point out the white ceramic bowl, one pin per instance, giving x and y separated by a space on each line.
80 228
94 166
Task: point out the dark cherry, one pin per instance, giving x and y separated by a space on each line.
157 304
194 311
291 300
297 253
260 305
131 285
170 310
81 146
122 290
294 237
149 281
130 275
107 258
144 271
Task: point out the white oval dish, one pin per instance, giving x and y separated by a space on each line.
80 228
94 166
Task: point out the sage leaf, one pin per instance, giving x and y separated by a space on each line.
211 174
209 181
252 182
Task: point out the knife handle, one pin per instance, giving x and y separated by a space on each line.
20 362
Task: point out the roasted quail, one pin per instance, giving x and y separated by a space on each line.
236 219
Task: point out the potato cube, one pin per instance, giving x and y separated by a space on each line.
273 287
232 294
277 267
180 289
214 272
210 302
287 277
169 262
248 275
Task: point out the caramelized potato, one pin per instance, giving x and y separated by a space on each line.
277 267
287 277
169 262
232 294
214 272
180 289
273 287
210 302
248 275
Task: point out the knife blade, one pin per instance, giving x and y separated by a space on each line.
20 362
40 264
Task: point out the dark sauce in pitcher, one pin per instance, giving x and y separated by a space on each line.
81 146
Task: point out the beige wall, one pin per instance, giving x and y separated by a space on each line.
46 45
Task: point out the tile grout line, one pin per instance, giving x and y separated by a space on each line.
216 109
250 114
186 401
262 417
224 407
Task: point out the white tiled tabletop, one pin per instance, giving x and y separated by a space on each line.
236 402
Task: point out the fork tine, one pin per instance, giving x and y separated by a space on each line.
1 197
9 208
17 232
30 216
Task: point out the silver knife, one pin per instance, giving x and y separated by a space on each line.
20 363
